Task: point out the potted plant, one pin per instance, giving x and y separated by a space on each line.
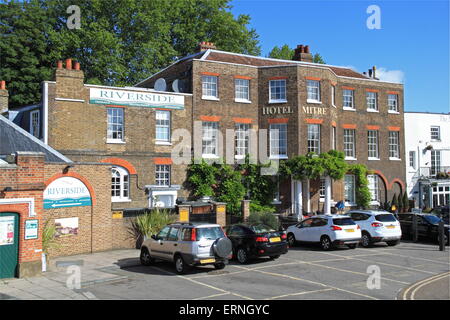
48 242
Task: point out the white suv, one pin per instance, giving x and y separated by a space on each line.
377 226
328 230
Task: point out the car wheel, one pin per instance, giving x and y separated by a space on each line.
180 266
242 256
145 257
274 257
219 266
291 239
325 243
366 240
446 242
352 246
392 243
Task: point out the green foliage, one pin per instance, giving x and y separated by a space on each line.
400 202
48 237
202 178
121 42
150 223
362 191
286 53
405 202
255 206
266 218
230 188
427 210
317 58
394 201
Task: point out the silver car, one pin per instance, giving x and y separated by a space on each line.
187 245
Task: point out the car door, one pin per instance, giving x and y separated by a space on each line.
317 229
157 246
235 234
406 223
303 230
171 244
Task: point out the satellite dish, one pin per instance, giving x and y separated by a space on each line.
179 86
160 85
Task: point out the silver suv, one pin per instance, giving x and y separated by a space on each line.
187 245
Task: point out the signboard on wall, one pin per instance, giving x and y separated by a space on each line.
136 99
31 229
6 230
66 227
66 192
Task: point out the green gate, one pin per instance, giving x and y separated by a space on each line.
9 244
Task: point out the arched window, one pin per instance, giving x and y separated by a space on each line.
120 184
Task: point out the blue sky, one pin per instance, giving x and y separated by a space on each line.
412 45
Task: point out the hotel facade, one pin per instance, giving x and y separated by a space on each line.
304 106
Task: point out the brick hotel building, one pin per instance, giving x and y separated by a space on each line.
304 106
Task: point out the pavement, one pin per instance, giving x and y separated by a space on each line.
305 272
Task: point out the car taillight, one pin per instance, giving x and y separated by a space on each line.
284 236
223 232
261 239
358 227
194 235
335 228
376 224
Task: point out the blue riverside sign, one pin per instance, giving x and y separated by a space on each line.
136 99
66 192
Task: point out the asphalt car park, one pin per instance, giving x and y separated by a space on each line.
305 272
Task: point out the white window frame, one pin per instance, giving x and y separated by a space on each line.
210 142
394 145
348 98
435 164
242 137
278 140
210 87
347 178
412 159
374 188
242 90
163 125
35 123
333 137
163 175
393 103
349 144
333 96
115 125
372 101
313 91
313 138
123 183
277 97
435 133
373 140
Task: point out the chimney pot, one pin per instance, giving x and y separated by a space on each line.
59 64
301 53
374 69
69 64
306 49
370 73
3 85
77 66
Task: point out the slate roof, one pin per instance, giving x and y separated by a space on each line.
13 139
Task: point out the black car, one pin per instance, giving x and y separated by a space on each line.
251 241
442 212
427 226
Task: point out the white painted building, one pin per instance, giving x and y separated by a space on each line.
427 147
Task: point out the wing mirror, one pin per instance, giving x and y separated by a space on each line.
154 237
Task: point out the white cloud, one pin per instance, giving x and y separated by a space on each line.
396 76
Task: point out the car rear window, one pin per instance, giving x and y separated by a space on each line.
385 217
261 228
343 222
209 233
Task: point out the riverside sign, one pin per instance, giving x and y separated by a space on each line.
66 192
136 99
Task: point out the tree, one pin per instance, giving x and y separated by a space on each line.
286 53
362 191
394 201
405 202
120 42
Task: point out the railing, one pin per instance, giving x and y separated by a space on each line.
433 172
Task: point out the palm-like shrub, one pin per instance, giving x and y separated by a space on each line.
150 223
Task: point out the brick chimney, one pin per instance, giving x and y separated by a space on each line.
203 46
3 97
69 79
302 53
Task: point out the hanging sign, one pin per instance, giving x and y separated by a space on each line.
66 192
6 230
136 99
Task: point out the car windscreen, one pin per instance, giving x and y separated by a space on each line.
209 233
261 228
432 219
385 217
343 221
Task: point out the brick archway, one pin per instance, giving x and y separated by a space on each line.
76 176
400 182
121 163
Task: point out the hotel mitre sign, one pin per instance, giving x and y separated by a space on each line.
136 99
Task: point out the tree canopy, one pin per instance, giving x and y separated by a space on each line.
120 42
286 53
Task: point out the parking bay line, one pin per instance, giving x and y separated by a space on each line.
313 282
298 293
401 255
203 284
211 296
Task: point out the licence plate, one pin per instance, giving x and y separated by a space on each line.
390 227
350 230
276 239
207 261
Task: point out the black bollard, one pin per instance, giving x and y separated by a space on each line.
441 236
